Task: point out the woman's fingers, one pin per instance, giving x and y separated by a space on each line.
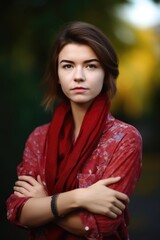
18 194
22 184
116 211
109 181
28 179
120 205
39 179
28 186
122 197
111 215
115 207
103 200
21 191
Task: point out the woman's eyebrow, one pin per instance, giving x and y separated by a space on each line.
91 60
86 61
66 61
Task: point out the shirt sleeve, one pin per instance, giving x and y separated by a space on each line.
126 163
29 166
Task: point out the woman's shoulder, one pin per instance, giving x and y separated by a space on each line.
118 126
39 133
41 130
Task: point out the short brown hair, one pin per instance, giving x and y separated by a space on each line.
88 34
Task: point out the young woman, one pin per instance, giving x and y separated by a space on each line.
79 170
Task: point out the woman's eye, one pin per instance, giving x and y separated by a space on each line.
91 66
67 66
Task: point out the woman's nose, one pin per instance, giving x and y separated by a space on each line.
79 75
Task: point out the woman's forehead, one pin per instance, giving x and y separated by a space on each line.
74 51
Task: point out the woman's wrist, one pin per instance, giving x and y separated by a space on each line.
54 206
68 201
79 197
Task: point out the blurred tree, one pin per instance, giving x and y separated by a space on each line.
139 71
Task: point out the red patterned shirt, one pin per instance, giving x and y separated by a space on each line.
119 152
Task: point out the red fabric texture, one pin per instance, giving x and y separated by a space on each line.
61 154
62 157
116 152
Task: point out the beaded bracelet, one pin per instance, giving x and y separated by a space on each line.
54 205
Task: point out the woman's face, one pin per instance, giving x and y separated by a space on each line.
81 75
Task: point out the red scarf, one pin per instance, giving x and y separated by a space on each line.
64 159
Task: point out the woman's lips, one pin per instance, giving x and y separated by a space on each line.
79 89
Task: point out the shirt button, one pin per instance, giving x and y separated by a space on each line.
86 228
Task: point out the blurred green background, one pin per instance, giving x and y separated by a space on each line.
28 28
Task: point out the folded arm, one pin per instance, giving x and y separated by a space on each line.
98 199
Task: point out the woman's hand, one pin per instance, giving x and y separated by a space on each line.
97 198
100 199
27 186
